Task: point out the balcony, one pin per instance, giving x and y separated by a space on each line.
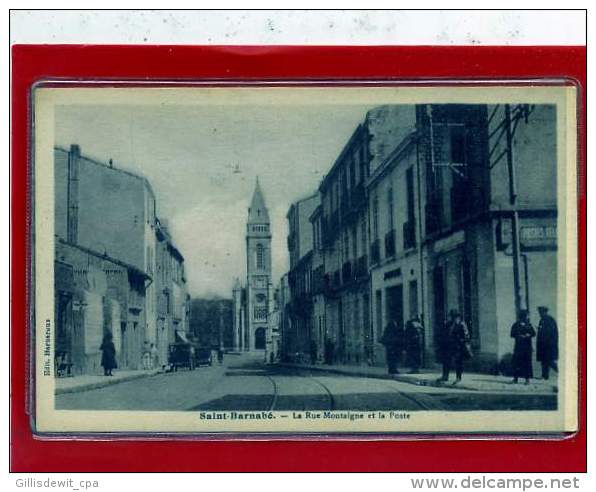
353 203
330 229
390 244
375 252
346 272
409 231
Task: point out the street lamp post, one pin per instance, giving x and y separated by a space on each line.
514 212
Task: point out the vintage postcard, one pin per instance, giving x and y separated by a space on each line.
287 260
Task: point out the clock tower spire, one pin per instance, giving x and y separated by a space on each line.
258 270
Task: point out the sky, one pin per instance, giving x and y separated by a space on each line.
202 162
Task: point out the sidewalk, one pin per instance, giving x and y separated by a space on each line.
486 383
76 384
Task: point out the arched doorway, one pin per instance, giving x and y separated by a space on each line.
260 339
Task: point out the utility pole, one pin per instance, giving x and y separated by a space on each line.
514 212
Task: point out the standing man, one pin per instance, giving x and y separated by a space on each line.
413 335
522 332
453 346
393 339
547 342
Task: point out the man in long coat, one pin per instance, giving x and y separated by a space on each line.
547 342
393 339
522 332
453 346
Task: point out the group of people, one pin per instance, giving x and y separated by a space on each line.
453 345
547 345
398 340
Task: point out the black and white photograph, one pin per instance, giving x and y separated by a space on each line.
305 259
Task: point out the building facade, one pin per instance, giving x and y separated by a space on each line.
173 301
447 188
430 208
252 301
345 231
111 213
299 335
96 294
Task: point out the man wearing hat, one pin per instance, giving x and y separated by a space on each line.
453 346
547 342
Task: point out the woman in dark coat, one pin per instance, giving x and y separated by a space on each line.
522 332
108 356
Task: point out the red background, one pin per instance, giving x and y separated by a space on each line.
34 62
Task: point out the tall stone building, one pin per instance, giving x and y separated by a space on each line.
120 271
251 302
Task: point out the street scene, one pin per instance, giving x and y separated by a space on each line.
387 257
245 383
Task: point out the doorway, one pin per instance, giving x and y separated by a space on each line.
395 304
260 339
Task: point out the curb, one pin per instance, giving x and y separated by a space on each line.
410 380
102 384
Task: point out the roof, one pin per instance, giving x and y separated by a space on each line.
134 270
257 212
90 160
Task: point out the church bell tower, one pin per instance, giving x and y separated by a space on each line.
258 271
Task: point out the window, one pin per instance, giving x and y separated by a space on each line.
362 163
458 144
449 143
390 209
346 245
410 193
375 213
363 235
260 313
260 257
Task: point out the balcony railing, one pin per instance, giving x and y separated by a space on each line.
390 244
409 232
352 203
375 252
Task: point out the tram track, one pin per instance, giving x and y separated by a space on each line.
276 391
